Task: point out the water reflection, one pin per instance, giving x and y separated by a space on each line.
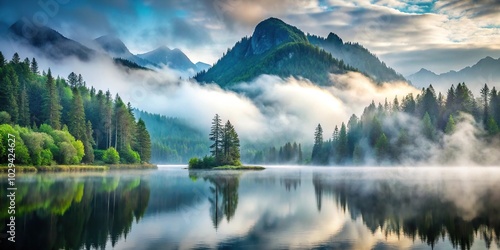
223 196
341 208
424 207
68 212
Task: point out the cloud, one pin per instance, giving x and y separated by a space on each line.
484 10
205 29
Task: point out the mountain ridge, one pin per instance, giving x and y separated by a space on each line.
486 70
356 56
50 42
274 48
115 47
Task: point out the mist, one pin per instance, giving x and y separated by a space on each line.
270 110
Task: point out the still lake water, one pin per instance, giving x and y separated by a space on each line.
278 208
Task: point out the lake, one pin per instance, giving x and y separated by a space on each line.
282 207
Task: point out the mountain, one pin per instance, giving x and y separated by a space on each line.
274 48
50 42
486 70
173 58
356 56
115 48
200 66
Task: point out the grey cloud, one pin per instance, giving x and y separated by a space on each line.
472 8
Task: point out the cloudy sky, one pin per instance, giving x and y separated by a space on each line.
407 35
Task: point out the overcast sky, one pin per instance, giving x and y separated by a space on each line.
407 35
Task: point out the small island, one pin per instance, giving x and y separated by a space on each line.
225 150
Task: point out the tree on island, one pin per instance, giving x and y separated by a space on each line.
225 149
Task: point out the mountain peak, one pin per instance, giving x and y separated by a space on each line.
113 45
49 41
163 48
273 32
424 71
333 38
487 60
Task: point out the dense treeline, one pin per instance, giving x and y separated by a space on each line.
393 133
64 121
173 140
290 153
225 148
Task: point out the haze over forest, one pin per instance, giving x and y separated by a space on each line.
277 78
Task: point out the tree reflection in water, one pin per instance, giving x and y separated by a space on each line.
223 196
75 213
415 210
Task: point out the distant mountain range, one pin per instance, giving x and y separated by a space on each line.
280 49
53 45
173 58
115 48
487 70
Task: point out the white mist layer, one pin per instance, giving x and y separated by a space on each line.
275 110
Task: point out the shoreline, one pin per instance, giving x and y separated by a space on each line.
77 168
228 167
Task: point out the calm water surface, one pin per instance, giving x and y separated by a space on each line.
278 208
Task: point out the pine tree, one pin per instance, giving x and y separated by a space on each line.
485 94
300 159
428 128
216 137
2 60
78 126
52 107
15 58
492 127
9 89
143 141
24 108
318 145
34 66
382 148
395 105
77 123
88 144
80 82
342 146
72 79
450 126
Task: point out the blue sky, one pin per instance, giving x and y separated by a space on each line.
407 35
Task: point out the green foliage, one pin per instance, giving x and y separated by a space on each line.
450 125
4 118
129 156
66 113
492 127
111 156
290 55
204 163
21 151
172 140
143 141
318 145
382 148
99 154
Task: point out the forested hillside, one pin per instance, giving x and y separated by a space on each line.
57 120
429 126
274 48
172 139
